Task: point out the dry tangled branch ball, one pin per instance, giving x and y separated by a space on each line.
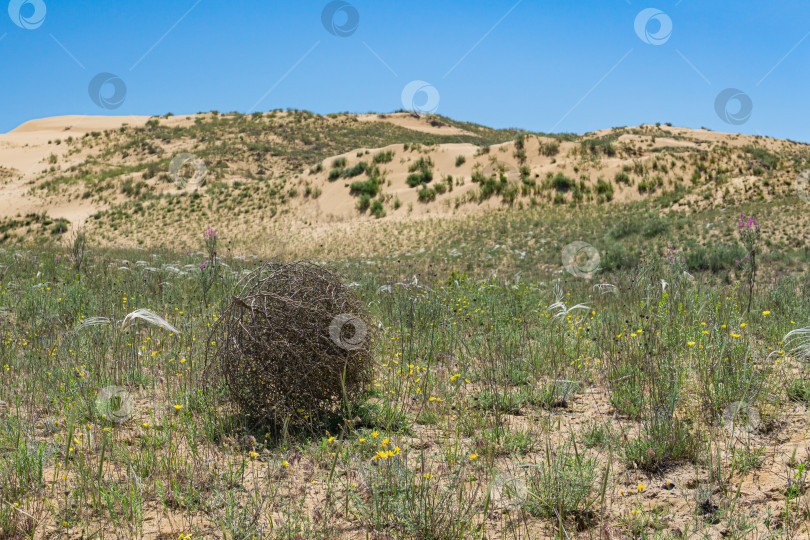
293 342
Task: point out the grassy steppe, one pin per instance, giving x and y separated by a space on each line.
511 399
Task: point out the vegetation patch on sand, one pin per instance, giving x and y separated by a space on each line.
515 391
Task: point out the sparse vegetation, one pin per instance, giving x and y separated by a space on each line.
654 385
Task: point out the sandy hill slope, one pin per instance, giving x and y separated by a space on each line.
140 180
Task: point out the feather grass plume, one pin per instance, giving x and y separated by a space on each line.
797 343
605 288
149 317
129 321
562 309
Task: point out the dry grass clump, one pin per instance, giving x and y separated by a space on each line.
293 342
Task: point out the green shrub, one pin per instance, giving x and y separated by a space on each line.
151 171
421 164
377 209
358 169
422 172
417 179
509 193
368 187
562 183
383 157
622 178
427 194
549 149
605 189
364 202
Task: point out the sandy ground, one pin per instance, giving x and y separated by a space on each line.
25 150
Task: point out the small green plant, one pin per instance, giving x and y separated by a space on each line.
746 459
377 209
749 235
358 169
364 202
799 390
596 434
563 486
78 249
385 156
604 189
549 149
421 172
622 178
427 194
562 183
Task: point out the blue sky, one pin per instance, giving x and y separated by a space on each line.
562 65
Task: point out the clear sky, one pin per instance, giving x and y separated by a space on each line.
563 65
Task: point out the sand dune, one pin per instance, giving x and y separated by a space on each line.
40 151
25 152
